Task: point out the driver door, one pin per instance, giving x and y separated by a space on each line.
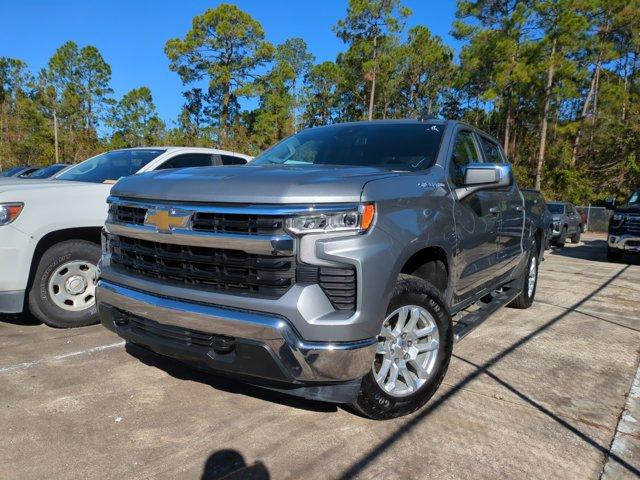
476 219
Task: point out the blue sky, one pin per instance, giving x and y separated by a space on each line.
131 34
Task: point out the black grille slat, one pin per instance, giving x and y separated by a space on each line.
338 284
632 224
237 223
175 334
217 269
126 214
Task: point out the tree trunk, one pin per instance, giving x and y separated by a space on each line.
224 118
373 77
585 110
55 135
545 113
507 124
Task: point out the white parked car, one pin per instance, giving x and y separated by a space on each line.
50 230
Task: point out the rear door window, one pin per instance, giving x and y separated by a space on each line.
187 160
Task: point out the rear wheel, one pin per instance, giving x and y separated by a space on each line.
529 282
63 291
413 355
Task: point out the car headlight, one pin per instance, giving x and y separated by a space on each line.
357 220
9 212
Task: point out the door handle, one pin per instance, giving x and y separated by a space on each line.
494 210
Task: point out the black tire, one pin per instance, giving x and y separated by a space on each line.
524 300
562 239
614 255
373 401
40 303
576 236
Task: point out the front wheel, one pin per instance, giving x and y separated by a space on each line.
63 291
413 354
576 236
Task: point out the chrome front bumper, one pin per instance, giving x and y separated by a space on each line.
298 361
626 242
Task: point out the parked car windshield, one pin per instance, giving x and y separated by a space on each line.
393 146
11 172
45 172
634 199
110 166
556 208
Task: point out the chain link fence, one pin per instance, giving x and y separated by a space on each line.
597 218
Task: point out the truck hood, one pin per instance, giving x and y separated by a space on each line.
253 184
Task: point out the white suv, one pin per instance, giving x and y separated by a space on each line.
50 229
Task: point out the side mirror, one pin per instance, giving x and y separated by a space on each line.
610 203
485 176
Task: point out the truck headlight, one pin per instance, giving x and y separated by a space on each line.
357 220
618 217
9 212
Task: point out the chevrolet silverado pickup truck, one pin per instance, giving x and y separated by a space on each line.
340 265
50 230
624 228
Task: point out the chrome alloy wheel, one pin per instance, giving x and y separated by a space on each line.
72 285
407 351
533 276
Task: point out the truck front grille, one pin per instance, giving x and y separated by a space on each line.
222 270
633 224
236 223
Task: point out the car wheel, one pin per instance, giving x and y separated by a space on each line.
529 282
63 290
562 239
413 355
614 255
576 236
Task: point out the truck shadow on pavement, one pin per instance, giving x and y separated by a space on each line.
230 465
25 319
594 250
219 382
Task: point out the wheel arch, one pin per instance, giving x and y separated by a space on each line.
89 234
430 263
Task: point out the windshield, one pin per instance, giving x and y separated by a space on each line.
634 199
392 146
46 172
557 208
11 171
110 166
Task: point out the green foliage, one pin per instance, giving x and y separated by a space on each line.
556 81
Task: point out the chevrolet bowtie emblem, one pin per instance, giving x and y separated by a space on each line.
166 220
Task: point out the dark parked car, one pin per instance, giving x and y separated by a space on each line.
567 223
45 172
17 171
624 227
535 202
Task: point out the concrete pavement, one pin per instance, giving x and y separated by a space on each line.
541 393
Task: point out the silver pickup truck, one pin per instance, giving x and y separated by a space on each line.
342 264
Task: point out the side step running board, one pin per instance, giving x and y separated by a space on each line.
471 320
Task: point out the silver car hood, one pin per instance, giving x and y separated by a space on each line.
252 184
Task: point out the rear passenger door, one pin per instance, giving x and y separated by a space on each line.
510 203
476 222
